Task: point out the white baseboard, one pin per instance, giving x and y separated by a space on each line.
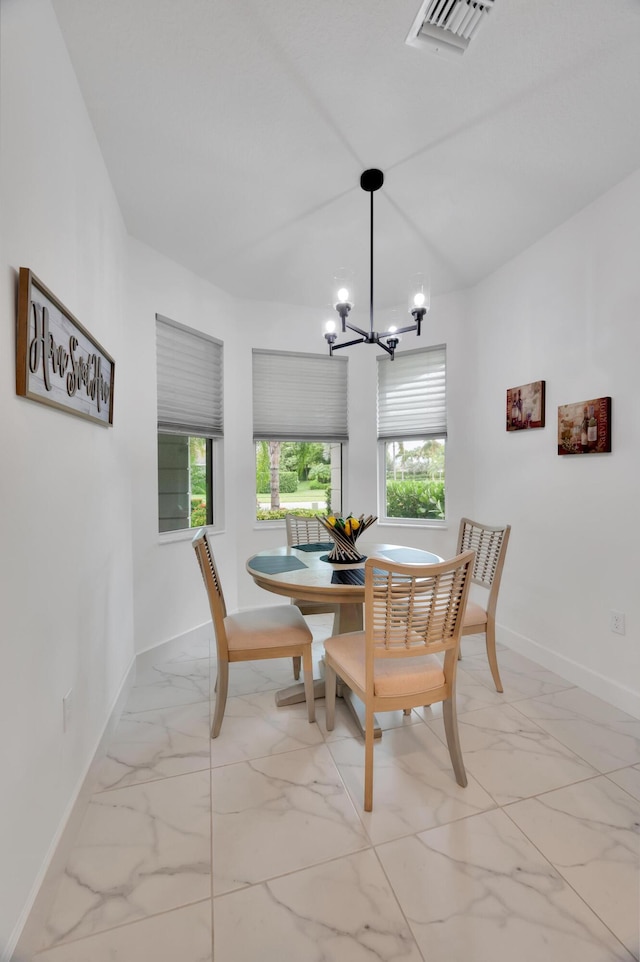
23 943
174 647
620 696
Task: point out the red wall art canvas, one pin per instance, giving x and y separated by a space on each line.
585 427
525 406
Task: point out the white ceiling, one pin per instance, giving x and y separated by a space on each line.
235 132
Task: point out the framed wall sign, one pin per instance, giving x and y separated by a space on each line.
57 361
584 427
525 406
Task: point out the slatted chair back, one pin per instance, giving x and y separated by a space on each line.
414 609
490 545
213 585
303 530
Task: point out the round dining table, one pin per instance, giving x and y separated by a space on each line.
304 572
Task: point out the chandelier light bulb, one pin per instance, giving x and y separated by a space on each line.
330 327
343 295
419 294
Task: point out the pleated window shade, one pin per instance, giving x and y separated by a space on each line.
189 366
412 394
299 397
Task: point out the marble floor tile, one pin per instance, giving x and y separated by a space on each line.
340 911
590 832
476 645
321 626
471 694
478 890
140 851
604 736
627 778
414 786
436 872
172 683
248 677
254 726
279 814
200 644
521 678
183 934
346 726
156 744
511 756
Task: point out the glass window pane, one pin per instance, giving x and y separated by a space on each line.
184 482
304 477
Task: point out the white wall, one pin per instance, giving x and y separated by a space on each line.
169 596
566 311
65 486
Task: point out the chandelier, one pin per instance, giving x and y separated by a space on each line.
371 181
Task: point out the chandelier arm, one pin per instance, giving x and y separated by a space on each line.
400 330
358 340
358 330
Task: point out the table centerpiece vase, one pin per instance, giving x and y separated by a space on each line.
345 533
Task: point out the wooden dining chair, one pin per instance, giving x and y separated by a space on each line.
302 530
277 631
412 613
490 546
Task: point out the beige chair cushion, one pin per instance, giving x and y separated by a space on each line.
393 676
474 615
266 628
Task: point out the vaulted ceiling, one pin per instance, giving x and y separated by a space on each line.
235 133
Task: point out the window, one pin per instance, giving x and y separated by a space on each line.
412 432
189 426
299 424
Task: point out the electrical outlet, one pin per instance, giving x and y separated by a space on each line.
67 710
616 622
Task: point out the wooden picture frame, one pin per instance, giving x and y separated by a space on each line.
525 406
58 362
584 427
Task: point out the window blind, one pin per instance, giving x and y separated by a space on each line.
299 397
189 368
412 399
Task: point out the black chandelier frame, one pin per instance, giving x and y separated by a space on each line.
370 181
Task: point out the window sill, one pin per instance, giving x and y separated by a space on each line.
412 523
277 523
185 534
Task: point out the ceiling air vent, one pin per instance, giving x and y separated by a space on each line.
448 26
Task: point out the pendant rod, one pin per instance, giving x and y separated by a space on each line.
371 272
